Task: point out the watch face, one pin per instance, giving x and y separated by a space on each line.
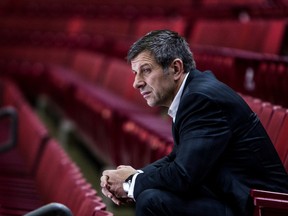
126 186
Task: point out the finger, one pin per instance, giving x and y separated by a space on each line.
104 191
106 172
107 193
111 196
104 181
104 178
105 185
115 200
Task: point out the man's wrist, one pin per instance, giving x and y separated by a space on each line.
127 183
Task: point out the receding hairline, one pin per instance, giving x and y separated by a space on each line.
152 54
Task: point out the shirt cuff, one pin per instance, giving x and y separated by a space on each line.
132 185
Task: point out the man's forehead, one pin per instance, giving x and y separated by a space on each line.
145 55
142 59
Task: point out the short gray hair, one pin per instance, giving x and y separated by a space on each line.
166 46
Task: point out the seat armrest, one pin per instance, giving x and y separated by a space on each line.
9 112
271 203
268 194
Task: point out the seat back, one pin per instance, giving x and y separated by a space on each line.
276 121
53 167
88 65
266 113
236 34
281 143
143 26
118 78
31 134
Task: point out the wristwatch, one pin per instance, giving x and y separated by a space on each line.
127 184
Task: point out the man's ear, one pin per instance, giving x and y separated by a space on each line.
178 68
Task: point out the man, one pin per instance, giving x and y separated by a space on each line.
220 151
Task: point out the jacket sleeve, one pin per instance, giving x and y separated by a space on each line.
203 133
160 163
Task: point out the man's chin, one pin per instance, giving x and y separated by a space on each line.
151 104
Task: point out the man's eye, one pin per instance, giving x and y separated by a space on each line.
146 70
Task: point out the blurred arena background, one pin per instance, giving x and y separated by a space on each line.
64 77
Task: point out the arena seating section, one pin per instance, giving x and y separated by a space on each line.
73 52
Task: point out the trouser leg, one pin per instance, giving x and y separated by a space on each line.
153 202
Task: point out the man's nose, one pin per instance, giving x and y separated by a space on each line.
138 82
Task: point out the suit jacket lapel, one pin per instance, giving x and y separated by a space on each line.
175 132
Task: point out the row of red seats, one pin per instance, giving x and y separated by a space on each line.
259 75
100 33
254 35
79 33
133 9
94 68
37 170
97 110
275 120
234 2
127 8
263 76
251 5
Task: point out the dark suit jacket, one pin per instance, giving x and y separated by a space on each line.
220 145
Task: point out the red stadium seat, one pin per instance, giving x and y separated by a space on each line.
118 78
281 143
145 139
145 25
266 113
236 34
276 121
59 179
88 65
270 81
38 170
18 165
24 158
254 103
93 207
269 203
208 3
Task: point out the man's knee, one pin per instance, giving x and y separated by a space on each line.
153 202
149 202
147 199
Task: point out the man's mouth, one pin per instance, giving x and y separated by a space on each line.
145 94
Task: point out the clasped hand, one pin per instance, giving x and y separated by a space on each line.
112 183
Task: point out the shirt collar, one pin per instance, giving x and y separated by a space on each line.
176 101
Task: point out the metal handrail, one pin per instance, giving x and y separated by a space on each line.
51 209
12 113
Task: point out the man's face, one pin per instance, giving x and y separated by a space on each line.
155 85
